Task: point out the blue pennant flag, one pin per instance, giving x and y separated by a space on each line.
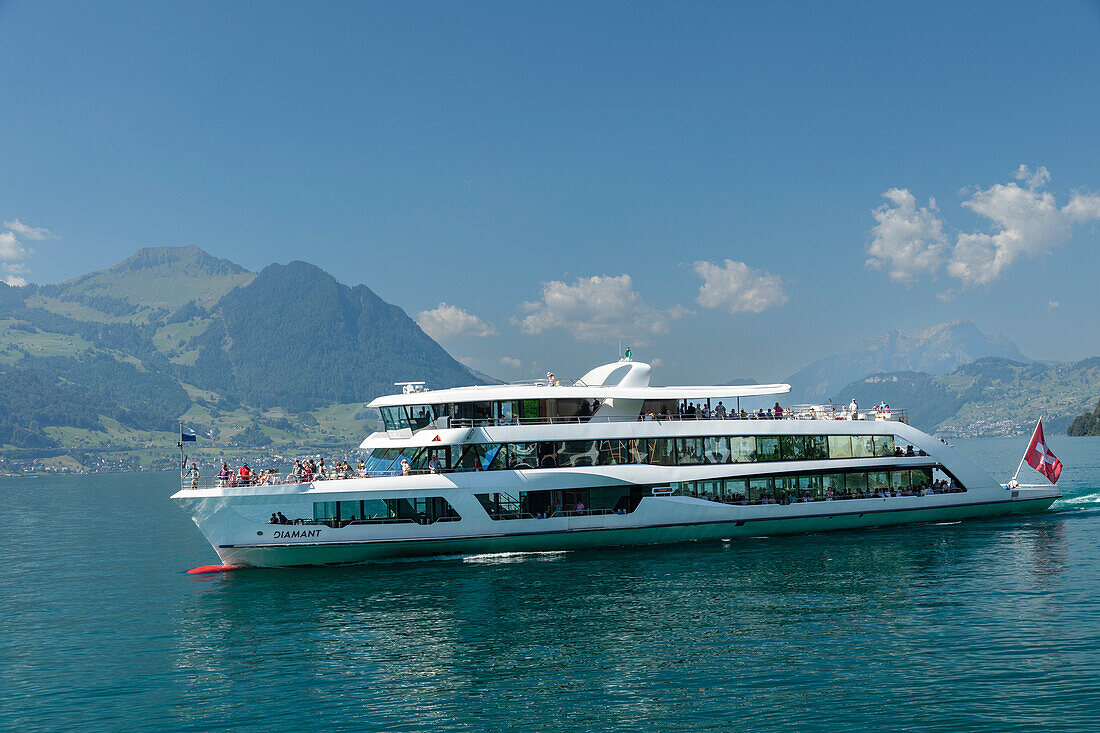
187 437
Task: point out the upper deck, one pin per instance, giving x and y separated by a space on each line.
616 392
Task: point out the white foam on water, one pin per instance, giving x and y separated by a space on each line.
502 557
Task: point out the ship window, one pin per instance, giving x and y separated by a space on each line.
716 450
577 453
921 477
479 413
840 446
899 479
736 489
690 451
529 409
767 448
817 447
878 480
393 418
548 455
760 488
640 450
523 455
507 410
792 447
833 482
855 482
863 446
664 451
421 416
478 456
884 446
615 452
743 448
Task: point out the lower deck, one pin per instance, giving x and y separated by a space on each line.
659 520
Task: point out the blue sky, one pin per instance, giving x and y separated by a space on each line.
487 156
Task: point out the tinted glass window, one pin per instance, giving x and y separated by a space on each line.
716 450
817 447
792 447
863 446
767 448
523 455
690 451
664 451
743 449
840 446
884 445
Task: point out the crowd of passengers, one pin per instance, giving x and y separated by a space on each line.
304 470
693 411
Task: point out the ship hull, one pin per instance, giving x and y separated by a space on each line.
837 516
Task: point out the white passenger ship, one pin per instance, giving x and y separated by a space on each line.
605 460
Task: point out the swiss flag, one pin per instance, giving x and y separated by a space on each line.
1040 458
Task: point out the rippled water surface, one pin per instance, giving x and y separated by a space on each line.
983 625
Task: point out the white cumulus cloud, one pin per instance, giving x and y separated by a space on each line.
907 241
1025 220
448 321
11 248
737 287
512 362
28 232
596 307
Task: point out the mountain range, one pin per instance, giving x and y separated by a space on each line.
936 350
120 355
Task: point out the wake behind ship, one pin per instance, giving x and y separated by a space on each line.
604 460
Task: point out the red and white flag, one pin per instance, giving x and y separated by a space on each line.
1039 457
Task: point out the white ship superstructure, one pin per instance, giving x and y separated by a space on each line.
601 461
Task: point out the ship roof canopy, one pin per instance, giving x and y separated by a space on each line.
504 392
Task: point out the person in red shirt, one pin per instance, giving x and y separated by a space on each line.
245 474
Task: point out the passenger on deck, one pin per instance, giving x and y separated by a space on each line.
720 411
406 469
321 471
362 468
274 519
193 474
223 475
579 508
283 519
853 409
434 465
246 474
777 411
909 451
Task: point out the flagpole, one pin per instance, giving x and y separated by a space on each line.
1024 456
183 460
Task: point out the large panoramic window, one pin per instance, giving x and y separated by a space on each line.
690 451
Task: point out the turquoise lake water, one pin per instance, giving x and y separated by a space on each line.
982 625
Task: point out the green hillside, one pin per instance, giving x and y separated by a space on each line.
986 397
1087 424
113 360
